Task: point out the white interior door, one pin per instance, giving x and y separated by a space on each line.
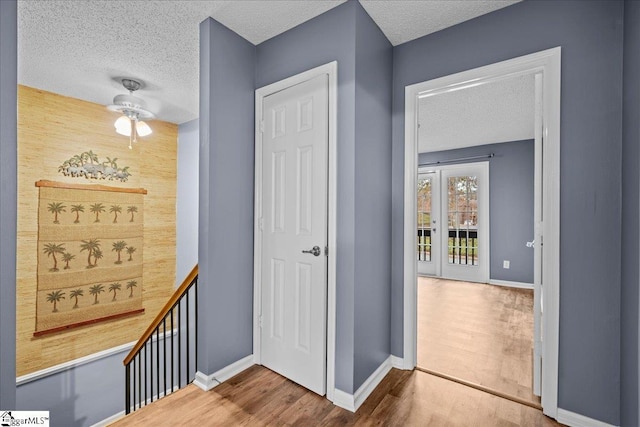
294 233
465 220
428 230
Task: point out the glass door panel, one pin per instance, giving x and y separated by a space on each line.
462 204
427 220
466 208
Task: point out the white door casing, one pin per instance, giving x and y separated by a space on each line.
294 219
537 241
547 63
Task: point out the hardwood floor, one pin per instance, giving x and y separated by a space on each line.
259 397
479 333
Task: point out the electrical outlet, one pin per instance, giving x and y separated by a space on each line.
506 264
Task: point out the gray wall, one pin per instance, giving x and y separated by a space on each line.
79 396
8 195
372 308
511 203
630 214
225 248
187 199
348 35
590 34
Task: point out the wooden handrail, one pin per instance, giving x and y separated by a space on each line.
162 314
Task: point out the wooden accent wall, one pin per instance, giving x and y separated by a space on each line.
51 129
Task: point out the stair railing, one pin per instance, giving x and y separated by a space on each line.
151 373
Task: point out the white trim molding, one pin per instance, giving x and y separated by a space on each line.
351 402
52 370
331 70
547 64
207 382
510 284
109 420
576 420
398 363
90 358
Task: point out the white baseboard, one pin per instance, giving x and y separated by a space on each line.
344 400
509 284
576 420
351 402
397 362
112 419
207 382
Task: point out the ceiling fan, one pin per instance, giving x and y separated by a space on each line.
133 111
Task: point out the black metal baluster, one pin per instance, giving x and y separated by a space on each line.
164 352
158 362
172 353
188 375
466 247
473 253
145 373
179 344
133 362
139 379
127 391
151 368
453 246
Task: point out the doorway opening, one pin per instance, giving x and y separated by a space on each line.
545 66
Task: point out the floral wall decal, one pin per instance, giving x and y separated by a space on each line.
88 165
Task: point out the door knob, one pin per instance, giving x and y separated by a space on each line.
314 251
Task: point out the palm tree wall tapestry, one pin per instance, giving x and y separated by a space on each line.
90 258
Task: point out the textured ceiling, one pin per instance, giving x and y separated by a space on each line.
80 48
491 113
405 20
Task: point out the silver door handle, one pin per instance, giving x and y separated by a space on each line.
314 251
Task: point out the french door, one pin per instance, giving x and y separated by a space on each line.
428 202
453 222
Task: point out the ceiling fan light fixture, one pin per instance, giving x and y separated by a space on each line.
143 129
123 126
132 109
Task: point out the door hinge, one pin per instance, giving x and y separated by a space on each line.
326 251
261 224
261 125
260 321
